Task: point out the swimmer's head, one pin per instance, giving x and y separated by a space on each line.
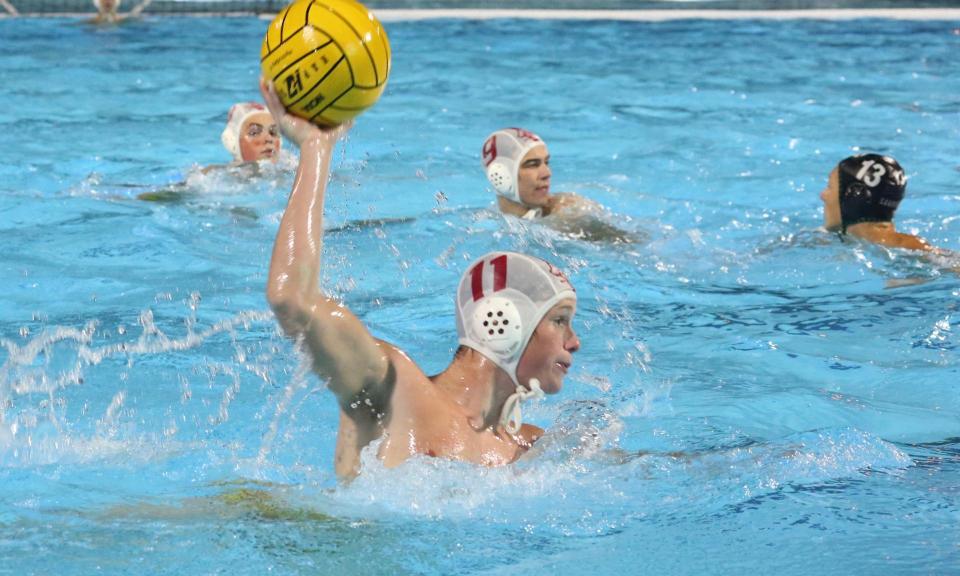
870 187
106 5
503 154
251 134
501 300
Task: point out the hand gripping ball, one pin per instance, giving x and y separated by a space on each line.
328 59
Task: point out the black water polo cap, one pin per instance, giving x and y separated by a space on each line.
871 188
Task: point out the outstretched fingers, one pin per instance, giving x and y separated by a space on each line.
296 129
271 99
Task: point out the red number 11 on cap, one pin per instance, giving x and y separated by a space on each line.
499 276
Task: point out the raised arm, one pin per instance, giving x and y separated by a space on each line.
139 8
342 349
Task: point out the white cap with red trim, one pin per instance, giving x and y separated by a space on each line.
502 153
237 115
116 5
500 301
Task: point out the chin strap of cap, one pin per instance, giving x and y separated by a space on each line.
510 417
533 214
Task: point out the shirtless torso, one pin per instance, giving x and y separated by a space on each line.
422 417
515 331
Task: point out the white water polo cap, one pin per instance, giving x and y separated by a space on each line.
116 5
503 151
238 114
501 299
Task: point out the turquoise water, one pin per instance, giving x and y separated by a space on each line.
152 420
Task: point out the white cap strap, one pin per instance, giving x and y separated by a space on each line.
511 417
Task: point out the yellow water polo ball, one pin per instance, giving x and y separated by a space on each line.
328 59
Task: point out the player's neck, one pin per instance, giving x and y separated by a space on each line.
478 386
512 208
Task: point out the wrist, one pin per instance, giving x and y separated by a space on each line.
315 144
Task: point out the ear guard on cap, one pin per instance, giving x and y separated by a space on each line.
497 325
501 299
500 178
502 153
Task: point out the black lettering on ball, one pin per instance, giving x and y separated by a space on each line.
294 84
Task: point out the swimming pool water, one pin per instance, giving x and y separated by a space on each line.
152 419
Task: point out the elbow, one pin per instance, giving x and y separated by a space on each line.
290 310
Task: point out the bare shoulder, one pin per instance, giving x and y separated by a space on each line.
423 419
404 372
576 204
912 242
565 199
530 434
395 352
413 393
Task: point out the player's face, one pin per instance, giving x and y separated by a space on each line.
549 354
533 181
259 138
831 202
107 6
